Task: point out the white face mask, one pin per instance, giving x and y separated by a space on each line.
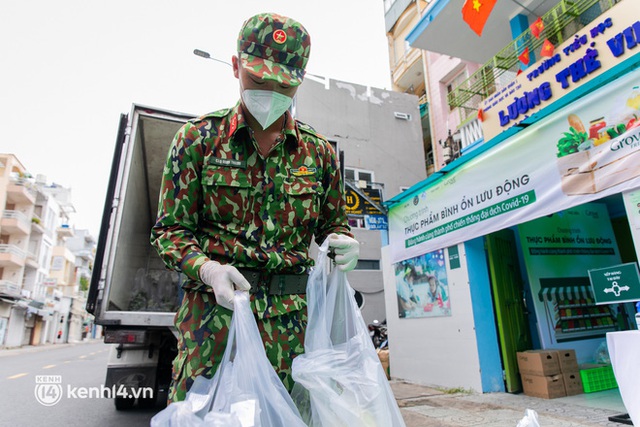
265 106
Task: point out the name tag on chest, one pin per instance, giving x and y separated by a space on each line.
229 163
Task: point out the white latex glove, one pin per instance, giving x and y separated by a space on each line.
347 251
223 279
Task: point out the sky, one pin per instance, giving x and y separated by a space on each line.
69 69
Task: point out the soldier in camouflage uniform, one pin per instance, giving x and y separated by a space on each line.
244 191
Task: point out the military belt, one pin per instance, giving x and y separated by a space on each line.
276 284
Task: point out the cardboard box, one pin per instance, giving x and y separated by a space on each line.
546 387
538 362
572 383
383 355
568 361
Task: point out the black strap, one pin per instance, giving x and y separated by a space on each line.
277 284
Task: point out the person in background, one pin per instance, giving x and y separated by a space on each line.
244 192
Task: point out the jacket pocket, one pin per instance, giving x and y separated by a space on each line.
227 194
302 203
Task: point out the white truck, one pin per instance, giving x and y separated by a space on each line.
132 295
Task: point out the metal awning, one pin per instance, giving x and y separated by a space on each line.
560 293
563 288
39 311
36 304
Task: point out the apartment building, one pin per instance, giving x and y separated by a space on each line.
83 246
17 204
40 276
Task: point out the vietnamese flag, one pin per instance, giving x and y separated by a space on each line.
537 27
524 56
476 12
547 48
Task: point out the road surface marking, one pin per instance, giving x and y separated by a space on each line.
82 357
17 376
48 366
67 361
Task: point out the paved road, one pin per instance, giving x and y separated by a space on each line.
80 366
83 366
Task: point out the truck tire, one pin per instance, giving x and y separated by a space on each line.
124 403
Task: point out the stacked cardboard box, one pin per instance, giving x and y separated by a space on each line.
570 372
540 373
550 373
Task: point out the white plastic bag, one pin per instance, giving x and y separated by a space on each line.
530 419
177 414
245 390
339 378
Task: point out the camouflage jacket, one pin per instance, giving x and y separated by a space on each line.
221 200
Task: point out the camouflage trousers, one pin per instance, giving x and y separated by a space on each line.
203 327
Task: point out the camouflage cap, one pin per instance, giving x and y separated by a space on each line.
274 47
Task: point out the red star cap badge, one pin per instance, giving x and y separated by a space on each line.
279 36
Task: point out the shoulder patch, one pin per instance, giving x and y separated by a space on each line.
306 128
303 127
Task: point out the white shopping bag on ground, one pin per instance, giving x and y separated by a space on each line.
245 390
339 378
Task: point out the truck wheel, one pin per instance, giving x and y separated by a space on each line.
124 403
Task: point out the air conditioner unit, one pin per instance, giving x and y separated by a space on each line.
402 116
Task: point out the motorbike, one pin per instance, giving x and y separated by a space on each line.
378 333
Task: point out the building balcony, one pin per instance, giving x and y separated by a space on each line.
19 191
64 253
407 72
11 256
393 9
560 24
31 261
65 231
85 255
15 222
36 225
9 288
